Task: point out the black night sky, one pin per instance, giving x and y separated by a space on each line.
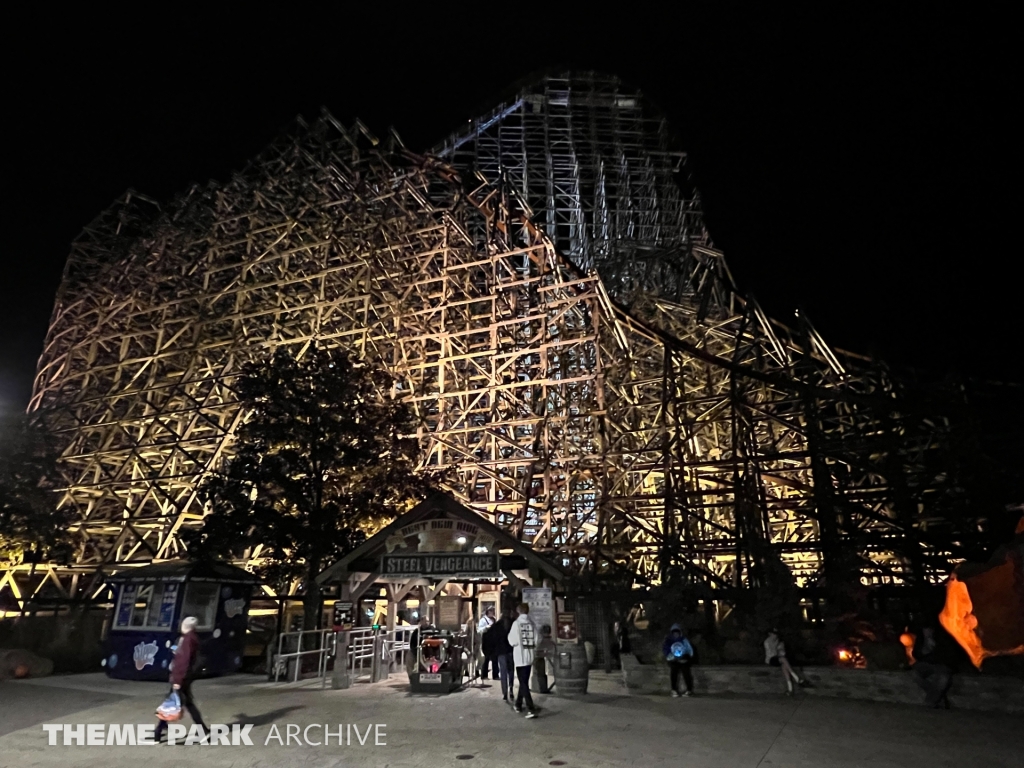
863 167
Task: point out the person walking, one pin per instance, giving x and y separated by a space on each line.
183 671
487 647
497 638
621 642
678 653
775 655
934 664
523 639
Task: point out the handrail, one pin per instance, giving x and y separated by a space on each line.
359 653
321 650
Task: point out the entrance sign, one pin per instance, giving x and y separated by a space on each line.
541 606
468 565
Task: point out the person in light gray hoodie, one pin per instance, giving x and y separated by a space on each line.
523 639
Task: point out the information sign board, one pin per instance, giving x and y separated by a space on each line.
567 632
541 606
343 616
448 610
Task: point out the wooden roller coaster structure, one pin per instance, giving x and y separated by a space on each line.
543 289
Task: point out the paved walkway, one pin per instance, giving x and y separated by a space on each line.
608 727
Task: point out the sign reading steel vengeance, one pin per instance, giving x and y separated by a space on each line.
440 564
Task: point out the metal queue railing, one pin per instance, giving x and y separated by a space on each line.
290 651
361 655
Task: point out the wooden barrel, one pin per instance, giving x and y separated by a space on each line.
572 671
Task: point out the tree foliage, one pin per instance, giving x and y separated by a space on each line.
32 528
324 457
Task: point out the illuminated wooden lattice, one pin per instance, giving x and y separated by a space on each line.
550 303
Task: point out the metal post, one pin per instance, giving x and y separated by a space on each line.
375 658
277 660
321 666
341 677
378 665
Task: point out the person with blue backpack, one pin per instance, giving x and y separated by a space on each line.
679 654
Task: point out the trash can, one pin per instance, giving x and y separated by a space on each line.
572 671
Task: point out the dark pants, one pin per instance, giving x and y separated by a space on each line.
523 673
185 692
493 662
505 667
935 679
674 668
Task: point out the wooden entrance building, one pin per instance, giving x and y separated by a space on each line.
440 559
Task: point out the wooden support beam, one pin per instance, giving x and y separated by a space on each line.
356 592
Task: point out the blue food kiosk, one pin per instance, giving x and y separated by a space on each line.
150 603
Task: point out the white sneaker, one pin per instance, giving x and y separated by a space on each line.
530 715
675 694
688 693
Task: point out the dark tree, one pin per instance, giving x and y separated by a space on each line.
32 529
324 455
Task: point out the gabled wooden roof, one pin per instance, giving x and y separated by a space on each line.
428 509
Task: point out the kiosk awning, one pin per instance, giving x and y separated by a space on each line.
184 570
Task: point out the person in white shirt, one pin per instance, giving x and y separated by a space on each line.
523 639
486 621
490 658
